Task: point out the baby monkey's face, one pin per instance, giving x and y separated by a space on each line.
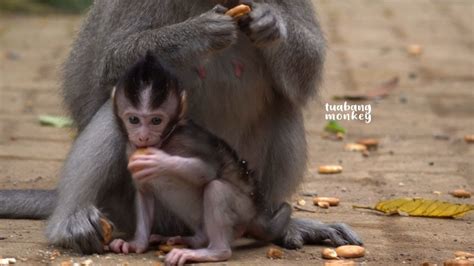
145 125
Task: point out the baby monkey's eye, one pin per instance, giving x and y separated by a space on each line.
156 120
133 120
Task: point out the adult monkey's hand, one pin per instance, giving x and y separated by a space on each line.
217 29
263 25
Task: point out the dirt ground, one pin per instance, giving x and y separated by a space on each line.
420 126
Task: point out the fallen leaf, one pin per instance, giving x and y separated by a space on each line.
421 207
55 121
304 209
379 92
334 127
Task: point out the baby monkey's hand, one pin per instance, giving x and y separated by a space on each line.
148 164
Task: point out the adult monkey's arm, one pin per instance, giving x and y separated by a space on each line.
292 44
177 44
115 34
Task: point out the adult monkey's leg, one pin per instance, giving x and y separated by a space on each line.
282 175
95 163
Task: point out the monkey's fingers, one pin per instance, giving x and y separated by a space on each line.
143 176
238 11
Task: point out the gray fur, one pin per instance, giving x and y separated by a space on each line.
259 113
307 231
27 204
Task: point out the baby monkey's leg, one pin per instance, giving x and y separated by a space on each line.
144 216
225 208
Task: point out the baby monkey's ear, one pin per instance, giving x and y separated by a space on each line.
112 94
183 103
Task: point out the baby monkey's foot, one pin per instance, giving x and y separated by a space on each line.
121 246
181 256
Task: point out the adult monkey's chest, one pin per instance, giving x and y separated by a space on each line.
230 89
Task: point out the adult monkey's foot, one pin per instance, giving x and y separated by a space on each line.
308 231
80 231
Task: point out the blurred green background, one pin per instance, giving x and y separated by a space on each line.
44 6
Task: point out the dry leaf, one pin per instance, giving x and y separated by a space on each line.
302 208
421 207
384 89
379 92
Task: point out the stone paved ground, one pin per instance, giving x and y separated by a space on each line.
368 41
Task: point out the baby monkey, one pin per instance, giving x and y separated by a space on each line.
195 174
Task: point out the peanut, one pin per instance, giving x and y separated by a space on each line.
330 169
274 253
238 11
460 193
329 253
330 200
350 251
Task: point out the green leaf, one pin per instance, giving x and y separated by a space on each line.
334 127
421 207
55 121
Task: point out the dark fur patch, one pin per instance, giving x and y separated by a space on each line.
148 71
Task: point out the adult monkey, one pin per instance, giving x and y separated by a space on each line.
247 86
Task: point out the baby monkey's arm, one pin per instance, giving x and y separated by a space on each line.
158 163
